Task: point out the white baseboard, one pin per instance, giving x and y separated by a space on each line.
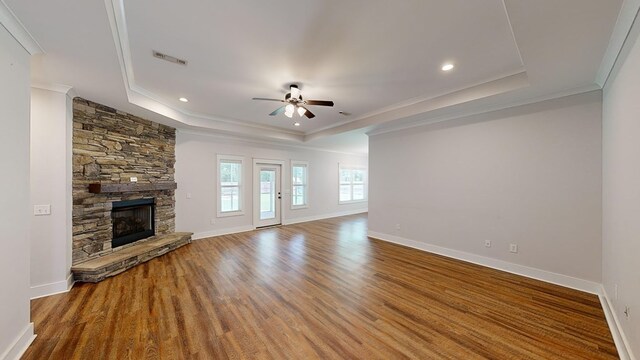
20 345
538 274
219 232
239 229
39 291
322 217
619 338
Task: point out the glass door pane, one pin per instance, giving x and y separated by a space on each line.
267 194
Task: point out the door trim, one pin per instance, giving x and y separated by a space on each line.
256 196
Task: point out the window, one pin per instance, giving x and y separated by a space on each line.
352 185
230 192
299 184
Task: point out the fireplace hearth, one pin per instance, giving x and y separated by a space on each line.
132 220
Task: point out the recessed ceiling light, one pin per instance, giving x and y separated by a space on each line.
296 124
183 99
447 67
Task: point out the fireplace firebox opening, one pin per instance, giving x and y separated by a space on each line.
132 220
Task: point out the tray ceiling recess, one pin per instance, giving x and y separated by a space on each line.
381 59
381 64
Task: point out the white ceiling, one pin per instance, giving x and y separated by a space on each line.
378 60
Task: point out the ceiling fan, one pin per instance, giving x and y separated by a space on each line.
295 103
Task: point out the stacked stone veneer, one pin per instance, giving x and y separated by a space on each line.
111 146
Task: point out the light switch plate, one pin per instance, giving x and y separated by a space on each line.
40 210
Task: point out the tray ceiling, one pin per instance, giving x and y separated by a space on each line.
365 56
378 60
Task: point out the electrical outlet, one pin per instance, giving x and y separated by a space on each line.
40 210
397 226
188 195
487 243
513 248
133 179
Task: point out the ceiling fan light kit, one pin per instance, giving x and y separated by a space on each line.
289 110
295 103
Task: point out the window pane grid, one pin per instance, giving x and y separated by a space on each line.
299 175
298 185
351 185
230 185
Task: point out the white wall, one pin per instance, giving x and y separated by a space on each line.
529 175
16 331
196 175
51 131
621 191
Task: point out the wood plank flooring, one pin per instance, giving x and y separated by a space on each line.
317 290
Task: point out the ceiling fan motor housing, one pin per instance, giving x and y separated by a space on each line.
288 98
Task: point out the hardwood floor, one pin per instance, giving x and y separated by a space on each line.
317 290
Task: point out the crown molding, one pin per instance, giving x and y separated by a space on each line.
59 88
423 108
14 26
262 141
626 19
505 80
485 110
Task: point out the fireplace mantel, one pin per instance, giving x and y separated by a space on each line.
99 188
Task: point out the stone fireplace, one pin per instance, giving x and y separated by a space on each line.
110 149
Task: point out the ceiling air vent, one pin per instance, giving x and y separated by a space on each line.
169 58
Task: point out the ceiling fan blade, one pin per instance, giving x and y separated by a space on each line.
277 111
278 100
308 113
319 102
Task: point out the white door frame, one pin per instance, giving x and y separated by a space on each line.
256 192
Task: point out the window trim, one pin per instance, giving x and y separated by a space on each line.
306 185
241 195
365 174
